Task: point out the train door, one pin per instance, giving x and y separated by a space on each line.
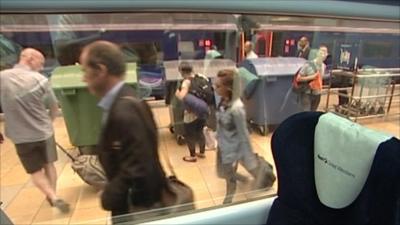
272 43
170 45
263 43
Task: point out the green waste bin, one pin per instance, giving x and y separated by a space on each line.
81 114
245 84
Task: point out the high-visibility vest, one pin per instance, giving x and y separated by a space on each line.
316 84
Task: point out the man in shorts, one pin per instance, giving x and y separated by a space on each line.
24 96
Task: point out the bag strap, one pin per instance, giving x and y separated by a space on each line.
313 66
139 109
65 151
296 75
308 63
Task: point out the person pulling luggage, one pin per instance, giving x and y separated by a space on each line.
233 140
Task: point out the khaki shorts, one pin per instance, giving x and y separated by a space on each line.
35 155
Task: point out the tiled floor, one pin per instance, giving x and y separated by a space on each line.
24 204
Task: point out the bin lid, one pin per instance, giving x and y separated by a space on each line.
277 66
71 76
246 75
208 67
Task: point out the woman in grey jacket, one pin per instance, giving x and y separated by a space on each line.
233 138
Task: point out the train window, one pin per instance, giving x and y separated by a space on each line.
186 49
377 49
143 36
155 43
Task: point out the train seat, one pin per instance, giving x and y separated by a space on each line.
333 171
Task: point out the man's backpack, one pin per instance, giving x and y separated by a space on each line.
202 88
298 86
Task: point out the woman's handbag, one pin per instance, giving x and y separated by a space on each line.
176 196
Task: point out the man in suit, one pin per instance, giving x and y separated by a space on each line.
128 143
303 48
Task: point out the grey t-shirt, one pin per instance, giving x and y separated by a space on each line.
309 69
23 95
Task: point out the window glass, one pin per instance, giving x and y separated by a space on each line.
154 44
377 49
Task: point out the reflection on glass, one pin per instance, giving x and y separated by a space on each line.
155 43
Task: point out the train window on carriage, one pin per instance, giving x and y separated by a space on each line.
379 49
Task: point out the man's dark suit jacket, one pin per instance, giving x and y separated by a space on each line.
128 152
297 203
303 53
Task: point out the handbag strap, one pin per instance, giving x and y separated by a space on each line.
137 104
65 151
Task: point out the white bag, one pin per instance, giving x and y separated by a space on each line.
211 141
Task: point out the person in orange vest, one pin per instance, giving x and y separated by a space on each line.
312 73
